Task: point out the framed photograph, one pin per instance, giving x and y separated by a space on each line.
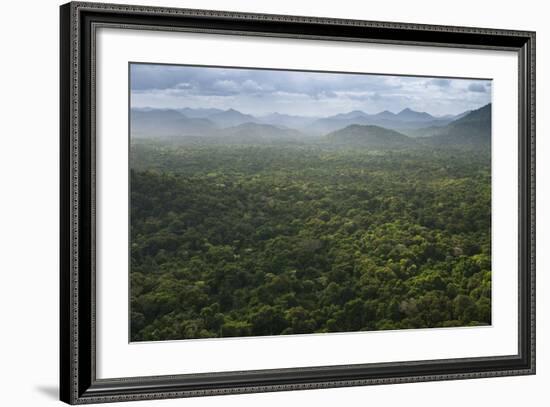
254 203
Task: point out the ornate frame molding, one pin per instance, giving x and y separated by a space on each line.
77 246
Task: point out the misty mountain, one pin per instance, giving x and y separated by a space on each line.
285 120
455 117
385 115
354 114
167 123
232 126
407 119
231 117
431 129
201 113
471 130
254 132
333 123
246 133
370 136
410 115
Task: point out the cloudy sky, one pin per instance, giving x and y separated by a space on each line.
261 92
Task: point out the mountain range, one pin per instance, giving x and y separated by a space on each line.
371 136
382 130
405 121
473 129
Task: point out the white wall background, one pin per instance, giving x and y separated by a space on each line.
29 163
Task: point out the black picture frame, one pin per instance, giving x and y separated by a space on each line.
78 382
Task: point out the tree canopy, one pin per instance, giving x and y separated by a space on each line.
240 240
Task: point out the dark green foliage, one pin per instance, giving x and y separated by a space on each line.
269 240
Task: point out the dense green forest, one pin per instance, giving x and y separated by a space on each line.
240 240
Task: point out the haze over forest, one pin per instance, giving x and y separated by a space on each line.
408 128
194 104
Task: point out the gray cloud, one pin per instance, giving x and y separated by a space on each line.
477 87
259 91
442 83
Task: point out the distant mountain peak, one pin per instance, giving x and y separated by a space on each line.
413 115
385 114
370 136
231 117
354 114
470 130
